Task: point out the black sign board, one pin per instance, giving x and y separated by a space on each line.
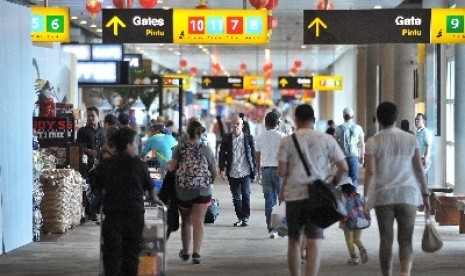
137 26
287 82
54 128
367 26
222 82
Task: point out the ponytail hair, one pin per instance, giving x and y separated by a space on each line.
195 129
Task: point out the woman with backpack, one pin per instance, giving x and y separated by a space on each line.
194 165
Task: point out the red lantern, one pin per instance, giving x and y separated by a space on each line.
297 63
243 66
325 5
93 7
270 4
256 3
147 4
193 70
294 71
119 4
183 63
202 5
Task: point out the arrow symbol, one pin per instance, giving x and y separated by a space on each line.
283 82
116 22
317 22
207 81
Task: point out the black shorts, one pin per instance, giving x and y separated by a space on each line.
298 220
201 200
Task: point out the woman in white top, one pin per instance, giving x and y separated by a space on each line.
394 185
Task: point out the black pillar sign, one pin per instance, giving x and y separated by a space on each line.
367 26
232 82
137 26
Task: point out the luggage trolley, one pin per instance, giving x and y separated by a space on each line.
153 259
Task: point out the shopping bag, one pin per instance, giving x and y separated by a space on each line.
431 241
278 219
213 211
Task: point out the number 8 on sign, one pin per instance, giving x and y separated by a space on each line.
254 26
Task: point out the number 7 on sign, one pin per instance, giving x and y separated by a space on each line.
235 25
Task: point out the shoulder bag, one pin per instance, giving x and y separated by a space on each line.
431 240
324 201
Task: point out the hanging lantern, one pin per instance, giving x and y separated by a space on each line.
147 4
270 4
193 70
294 71
93 7
202 5
243 66
256 3
119 4
325 5
183 63
297 63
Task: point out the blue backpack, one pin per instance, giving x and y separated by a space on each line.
356 218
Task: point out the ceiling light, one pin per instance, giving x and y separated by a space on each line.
377 7
93 25
74 17
98 30
179 72
170 49
166 8
303 46
160 1
83 22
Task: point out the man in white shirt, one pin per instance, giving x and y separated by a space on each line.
266 158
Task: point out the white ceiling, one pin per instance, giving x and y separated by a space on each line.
285 44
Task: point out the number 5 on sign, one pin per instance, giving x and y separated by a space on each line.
254 25
235 25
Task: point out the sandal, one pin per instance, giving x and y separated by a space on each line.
353 261
182 256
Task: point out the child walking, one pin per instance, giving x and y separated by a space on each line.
353 223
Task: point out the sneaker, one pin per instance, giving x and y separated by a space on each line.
196 258
238 223
353 261
245 222
273 234
182 256
363 255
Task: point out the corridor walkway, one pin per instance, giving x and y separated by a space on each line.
228 250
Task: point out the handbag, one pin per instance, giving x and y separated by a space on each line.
324 200
212 211
431 241
278 219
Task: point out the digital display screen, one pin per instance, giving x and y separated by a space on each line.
82 51
107 52
135 60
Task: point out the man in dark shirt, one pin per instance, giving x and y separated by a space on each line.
122 181
92 135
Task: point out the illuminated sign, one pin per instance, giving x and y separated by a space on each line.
174 80
287 82
49 24
254 82
327 83
82 51
220 26
98 72
222 82
135 60
107 52
447 26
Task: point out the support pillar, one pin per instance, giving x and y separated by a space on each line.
405 56
459 116
372 83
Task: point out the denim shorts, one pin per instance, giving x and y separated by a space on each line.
201 200
299 221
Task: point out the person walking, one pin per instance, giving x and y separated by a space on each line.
320 151
237 165
394 185
161 145
266 159
424 139
195 168
351 139
121 180
220 130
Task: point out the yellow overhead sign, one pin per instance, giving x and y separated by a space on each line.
447 26
327 83
49 24
253 82
220 26
173 80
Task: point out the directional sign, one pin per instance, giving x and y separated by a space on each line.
367 26
327 83
174 80
447 26
49 24
137 26
222 82
220 26
254 82
286 82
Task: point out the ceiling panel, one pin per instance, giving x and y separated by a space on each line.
285 43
